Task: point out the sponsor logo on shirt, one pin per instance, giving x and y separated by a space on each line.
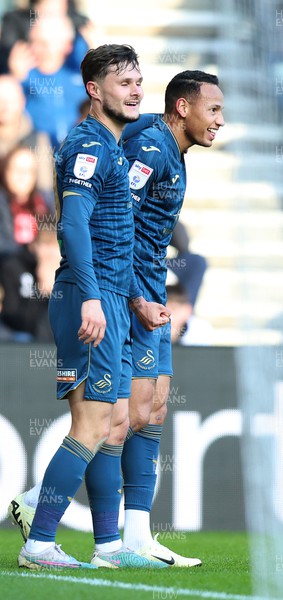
139 173
89 144
80 182
175 178
135 197
67 375
85 166
150 149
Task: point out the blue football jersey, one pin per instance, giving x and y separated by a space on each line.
94 211
157 182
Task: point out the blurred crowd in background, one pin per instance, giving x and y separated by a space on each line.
41 97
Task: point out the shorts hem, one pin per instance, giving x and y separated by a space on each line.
73 387
166 374
107 401
152 377
144 377
89 399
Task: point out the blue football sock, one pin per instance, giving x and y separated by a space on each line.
61 481
130 433
139 465
104 487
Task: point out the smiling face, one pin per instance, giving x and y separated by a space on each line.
203 116
119 95
198 117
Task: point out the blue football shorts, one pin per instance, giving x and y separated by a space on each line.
106 369
151 350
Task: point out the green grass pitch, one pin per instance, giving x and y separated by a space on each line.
225 574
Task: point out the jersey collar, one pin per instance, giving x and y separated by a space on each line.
174 139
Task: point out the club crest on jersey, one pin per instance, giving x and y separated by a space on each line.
139 173
147 362
85 166
104 385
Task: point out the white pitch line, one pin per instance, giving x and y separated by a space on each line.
138 587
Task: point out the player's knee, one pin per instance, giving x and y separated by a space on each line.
119 432
141 403
91 438
158 416
140 419
102 433
119 426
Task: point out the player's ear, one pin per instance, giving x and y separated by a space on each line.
93 89
182 107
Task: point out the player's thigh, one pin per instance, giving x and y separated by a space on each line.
141 402
120 415
161 392
89 414
120 412
91 421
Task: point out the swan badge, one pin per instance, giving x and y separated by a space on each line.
147 362
104 385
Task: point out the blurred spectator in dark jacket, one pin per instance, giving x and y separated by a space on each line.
187 329
26 279
188 269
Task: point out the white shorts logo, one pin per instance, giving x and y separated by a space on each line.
103 385
138 175
85 166
147 362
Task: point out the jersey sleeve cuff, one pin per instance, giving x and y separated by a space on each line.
91 296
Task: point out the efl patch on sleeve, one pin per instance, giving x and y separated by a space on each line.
138 175
85 166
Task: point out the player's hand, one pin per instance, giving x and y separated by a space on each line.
150 314
93 324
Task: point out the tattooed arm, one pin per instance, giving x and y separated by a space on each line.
150 314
